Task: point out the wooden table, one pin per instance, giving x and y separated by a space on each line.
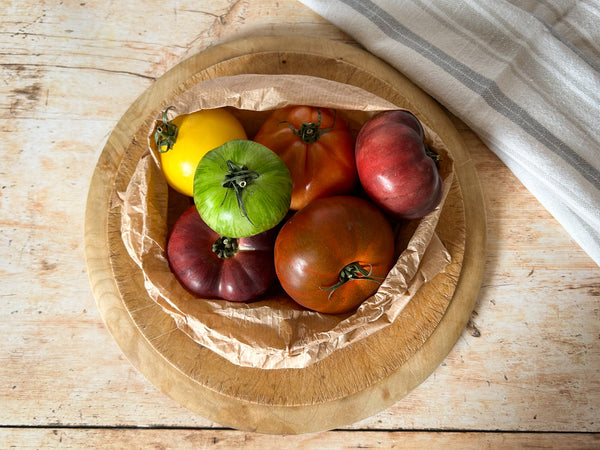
523 372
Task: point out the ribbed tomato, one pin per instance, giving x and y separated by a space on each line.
317 148
394 165
334 253
213 266
242 188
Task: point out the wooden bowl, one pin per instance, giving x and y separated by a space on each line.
354 382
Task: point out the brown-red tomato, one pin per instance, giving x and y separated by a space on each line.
317 148
334 253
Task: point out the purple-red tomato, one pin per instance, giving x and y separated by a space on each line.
213 266
394 168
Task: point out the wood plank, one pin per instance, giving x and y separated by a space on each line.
227 439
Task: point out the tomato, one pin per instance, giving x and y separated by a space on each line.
317 148
333 254
394 167
242 188
184 140
213 266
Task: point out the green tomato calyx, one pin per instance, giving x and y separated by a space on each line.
237 179
350 272
225 247
310 132
433 155
166 133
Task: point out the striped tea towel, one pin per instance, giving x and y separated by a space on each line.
524 75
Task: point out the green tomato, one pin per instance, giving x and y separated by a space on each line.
242 188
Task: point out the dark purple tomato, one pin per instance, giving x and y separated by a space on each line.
217 267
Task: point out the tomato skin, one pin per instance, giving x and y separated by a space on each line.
198 269
197 133
317 242
323 168
259 206
394 168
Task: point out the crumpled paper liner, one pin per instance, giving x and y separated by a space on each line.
273 332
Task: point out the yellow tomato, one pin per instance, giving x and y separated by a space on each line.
197 133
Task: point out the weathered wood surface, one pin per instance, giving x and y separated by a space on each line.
528 361
225 439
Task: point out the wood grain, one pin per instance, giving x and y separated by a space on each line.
227 439
527 362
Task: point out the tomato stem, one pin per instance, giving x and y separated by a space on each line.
433 155
310 132
237 179
166 133
225 247
350 272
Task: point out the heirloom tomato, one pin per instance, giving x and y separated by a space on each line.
334 253
213 266
394 167
316 146
242 188
184 140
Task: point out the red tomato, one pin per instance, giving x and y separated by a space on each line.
212 266
317 148
334 253
394 167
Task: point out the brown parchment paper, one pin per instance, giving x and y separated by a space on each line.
273 332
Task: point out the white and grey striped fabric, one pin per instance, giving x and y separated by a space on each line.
524 75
